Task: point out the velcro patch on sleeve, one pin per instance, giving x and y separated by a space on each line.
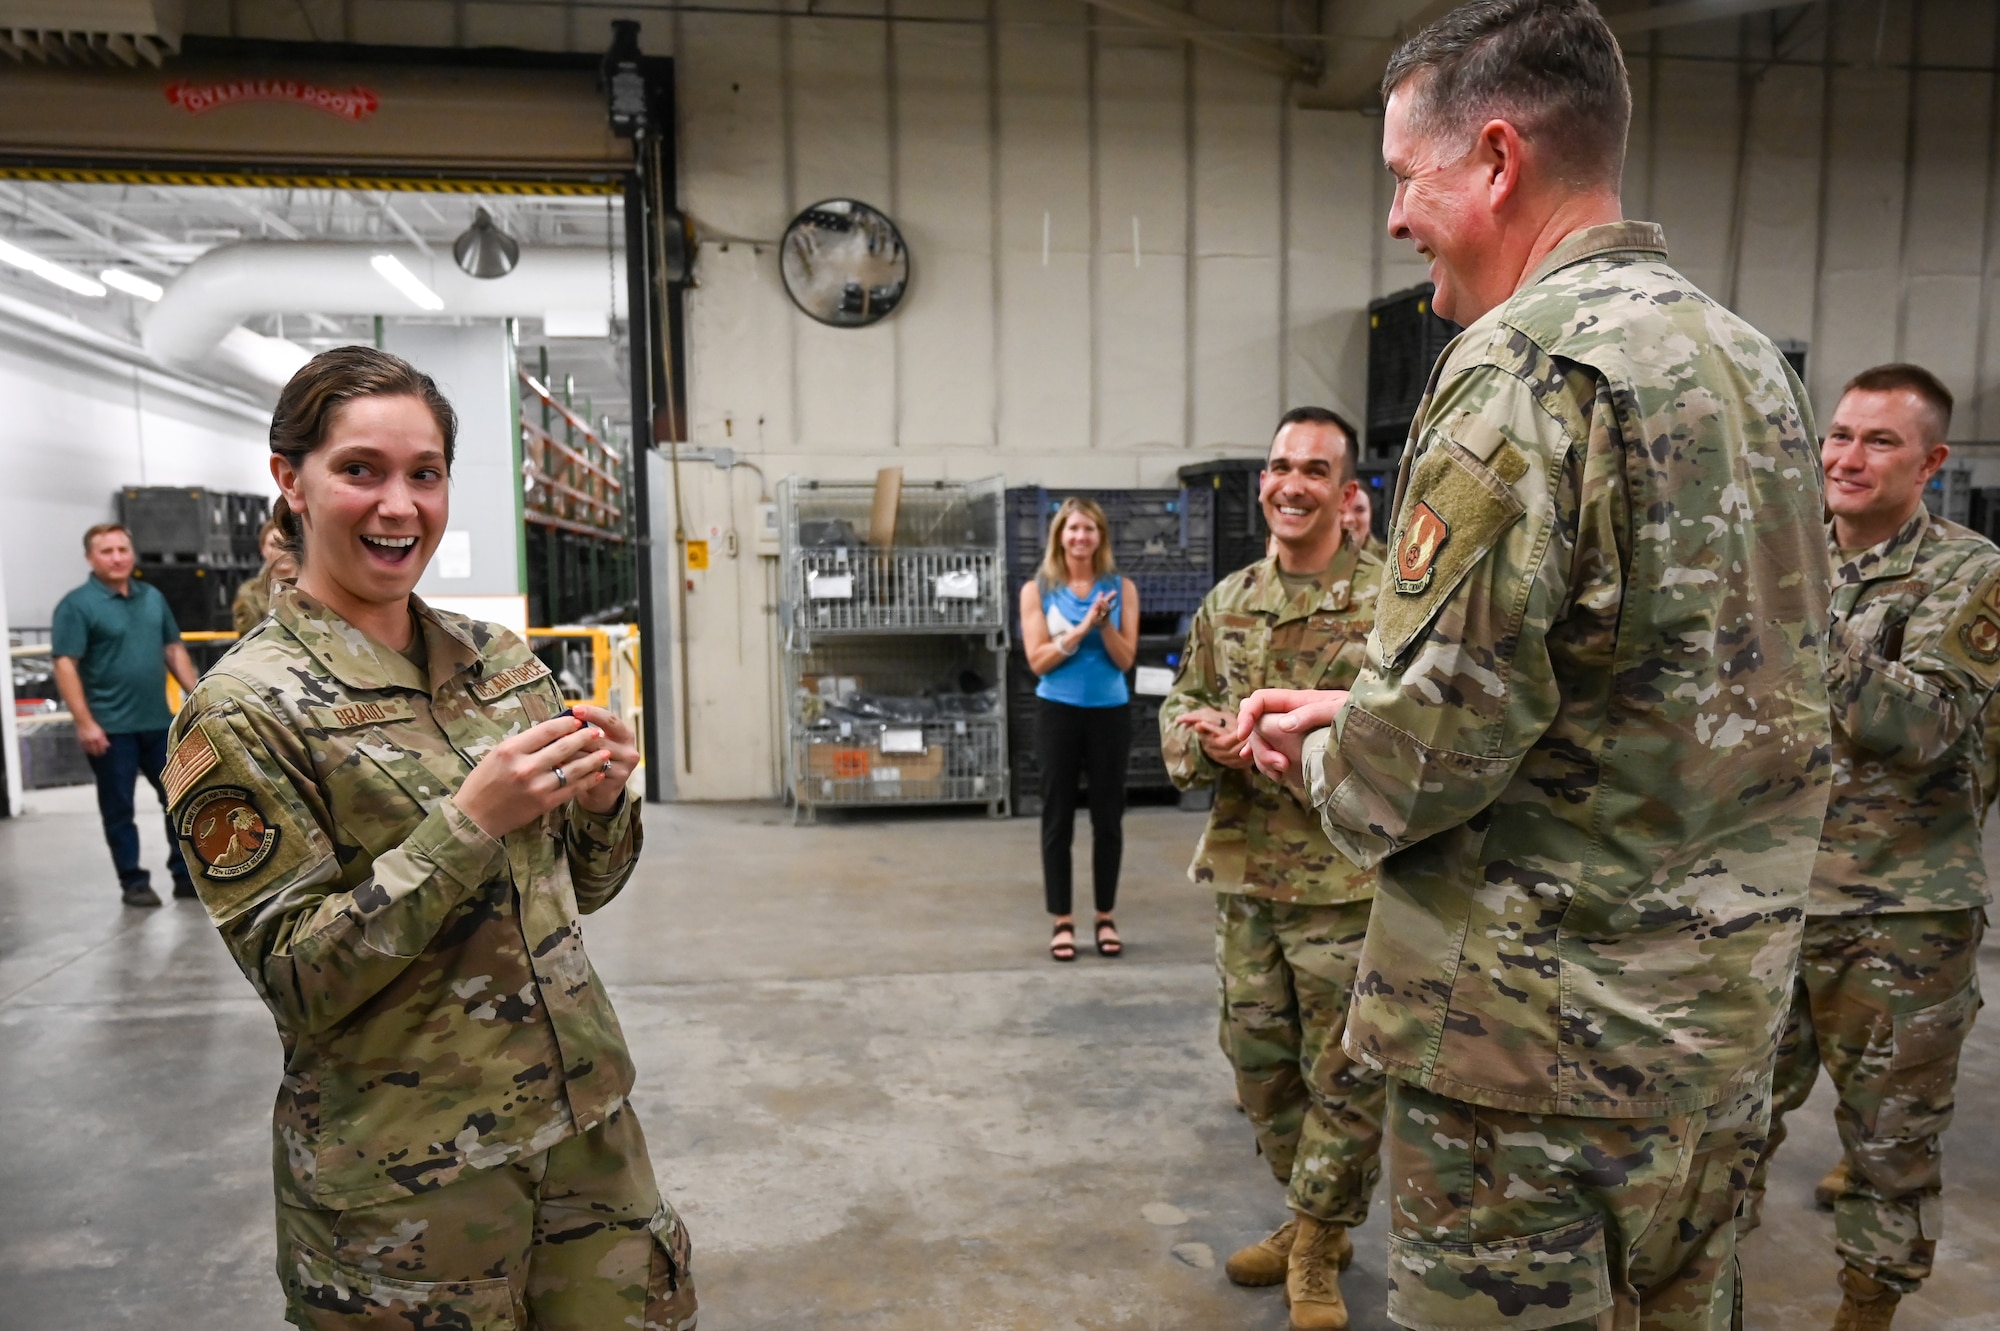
1453 513
194 757
1974 633
345 716
486 690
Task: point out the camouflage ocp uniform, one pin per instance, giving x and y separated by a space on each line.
1291 910
1888 980
451 1140
1590 753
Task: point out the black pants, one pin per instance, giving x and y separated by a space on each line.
132 755
1073 741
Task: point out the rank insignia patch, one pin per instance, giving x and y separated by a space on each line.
1417 549
226 833
1982 639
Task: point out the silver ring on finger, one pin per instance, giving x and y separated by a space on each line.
562 778
606 769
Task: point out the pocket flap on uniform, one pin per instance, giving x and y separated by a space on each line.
1554 1278
1452 514
1933 1033
315 1283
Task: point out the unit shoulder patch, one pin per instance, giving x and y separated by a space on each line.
226 832
486 690
1423 535
194 757
1980 636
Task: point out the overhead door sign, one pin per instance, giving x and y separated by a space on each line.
356 103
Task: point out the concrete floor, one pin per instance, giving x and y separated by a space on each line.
874 1101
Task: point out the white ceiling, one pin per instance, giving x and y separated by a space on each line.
154 231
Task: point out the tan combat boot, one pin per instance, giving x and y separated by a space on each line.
1866 1303
1312 1285
1832 1187
1263 1262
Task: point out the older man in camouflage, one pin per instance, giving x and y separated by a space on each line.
1290 909
1887 984
1591 748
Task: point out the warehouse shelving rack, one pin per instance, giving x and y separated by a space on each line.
894 656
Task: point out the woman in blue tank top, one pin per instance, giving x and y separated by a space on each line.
1080 629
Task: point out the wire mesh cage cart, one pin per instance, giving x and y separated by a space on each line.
895 656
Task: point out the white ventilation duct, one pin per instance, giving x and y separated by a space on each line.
261 364
231 283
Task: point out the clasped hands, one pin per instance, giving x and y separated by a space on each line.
1268 731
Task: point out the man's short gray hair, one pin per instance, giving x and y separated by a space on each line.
1549 67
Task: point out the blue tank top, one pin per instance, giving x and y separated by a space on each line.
1090 678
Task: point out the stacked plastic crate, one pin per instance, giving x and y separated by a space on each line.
895 653
195 545
1164 540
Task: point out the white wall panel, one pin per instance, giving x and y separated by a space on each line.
1774 273
1237 241
1334 161
1044 336
943 205
1142 182
840 148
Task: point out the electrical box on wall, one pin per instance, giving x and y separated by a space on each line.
767 530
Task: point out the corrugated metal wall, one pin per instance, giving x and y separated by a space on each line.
1124 250
1835 182
1210 250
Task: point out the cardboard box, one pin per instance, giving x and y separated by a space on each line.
907 767
838 762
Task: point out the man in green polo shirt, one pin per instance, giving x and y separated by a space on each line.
114 641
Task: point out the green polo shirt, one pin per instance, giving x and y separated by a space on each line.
119 646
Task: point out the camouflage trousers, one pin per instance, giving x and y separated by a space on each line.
1504 1219
1884 1002
576 1238
1287 974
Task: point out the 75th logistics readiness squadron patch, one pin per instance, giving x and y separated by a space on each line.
226 833
1417 549
1981 637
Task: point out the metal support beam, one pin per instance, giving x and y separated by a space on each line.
1633 22
1267 56
1360 39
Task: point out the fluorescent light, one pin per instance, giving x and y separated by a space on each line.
131 284
49 272
405 281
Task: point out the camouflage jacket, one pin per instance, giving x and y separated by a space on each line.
429 982
251 602
1915 656
1249 635
1591 746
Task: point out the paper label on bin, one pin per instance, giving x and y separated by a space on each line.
830 586
958 585
903 741
1153 681
881 774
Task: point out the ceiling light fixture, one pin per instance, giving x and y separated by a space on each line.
49 272
485 250
392 271
131 284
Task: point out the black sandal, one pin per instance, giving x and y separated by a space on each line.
1112 946
1059 949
